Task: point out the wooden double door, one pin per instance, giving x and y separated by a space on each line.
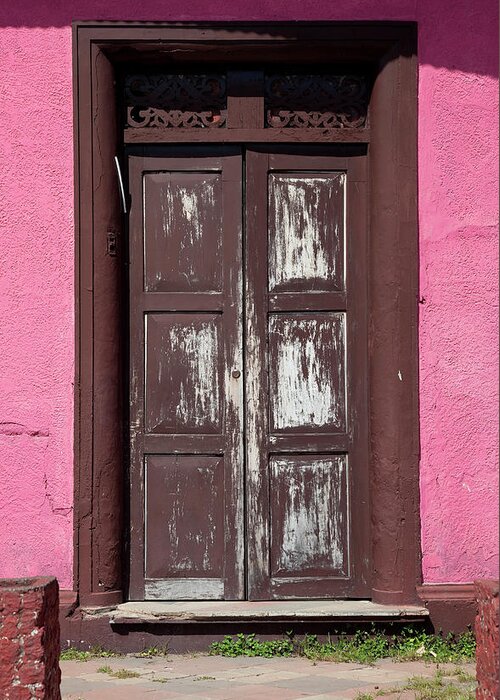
248 374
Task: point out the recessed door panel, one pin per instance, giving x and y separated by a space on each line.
307 372
182 231
184 373
309 518
306 231
184 517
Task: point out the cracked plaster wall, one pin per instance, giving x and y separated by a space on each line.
458 198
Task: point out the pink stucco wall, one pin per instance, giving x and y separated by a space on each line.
458 207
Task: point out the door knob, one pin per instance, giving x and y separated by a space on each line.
236 373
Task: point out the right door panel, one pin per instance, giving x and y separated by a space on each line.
306 375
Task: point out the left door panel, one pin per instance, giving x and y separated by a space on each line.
186 392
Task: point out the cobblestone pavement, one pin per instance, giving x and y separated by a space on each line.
203 677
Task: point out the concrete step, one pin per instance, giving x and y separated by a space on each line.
156 612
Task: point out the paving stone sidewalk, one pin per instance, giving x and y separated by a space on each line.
203 677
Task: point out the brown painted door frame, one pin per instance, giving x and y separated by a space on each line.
390 50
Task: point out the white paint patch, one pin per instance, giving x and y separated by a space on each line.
400 376
185 208
313 529
299 249
256 461
304 392
184 589
198 346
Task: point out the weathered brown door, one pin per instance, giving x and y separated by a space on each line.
248 398
306 400
186 400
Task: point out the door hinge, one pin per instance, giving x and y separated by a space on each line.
111 244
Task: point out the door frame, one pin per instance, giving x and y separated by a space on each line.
389 48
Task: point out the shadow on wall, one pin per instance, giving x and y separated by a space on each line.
460 35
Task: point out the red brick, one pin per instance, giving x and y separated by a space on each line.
9 653
19 693
40 693
27 621
33 646
11 601
31 673
8 625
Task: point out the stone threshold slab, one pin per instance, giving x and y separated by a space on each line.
233 611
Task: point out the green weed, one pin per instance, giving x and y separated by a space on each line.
249 645
95 652
438 689
105 669
124 673
414 644
364 647
152 652
444 685
120 673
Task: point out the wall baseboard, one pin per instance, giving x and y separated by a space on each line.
452 606
68 601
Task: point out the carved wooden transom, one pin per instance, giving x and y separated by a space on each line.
176 101
288 100
315 101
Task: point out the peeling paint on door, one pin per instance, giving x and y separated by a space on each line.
183 220
306 231
183 386
307 377
309 516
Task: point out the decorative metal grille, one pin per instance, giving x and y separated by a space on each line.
176 101
316 101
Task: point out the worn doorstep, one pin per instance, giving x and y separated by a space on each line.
155 611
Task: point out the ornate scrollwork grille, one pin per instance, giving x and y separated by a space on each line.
176 101
316 101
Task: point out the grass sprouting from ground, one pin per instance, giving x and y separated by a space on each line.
408 644
250 645
444 685
152 652
95 652
121 673
363 647
98 652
